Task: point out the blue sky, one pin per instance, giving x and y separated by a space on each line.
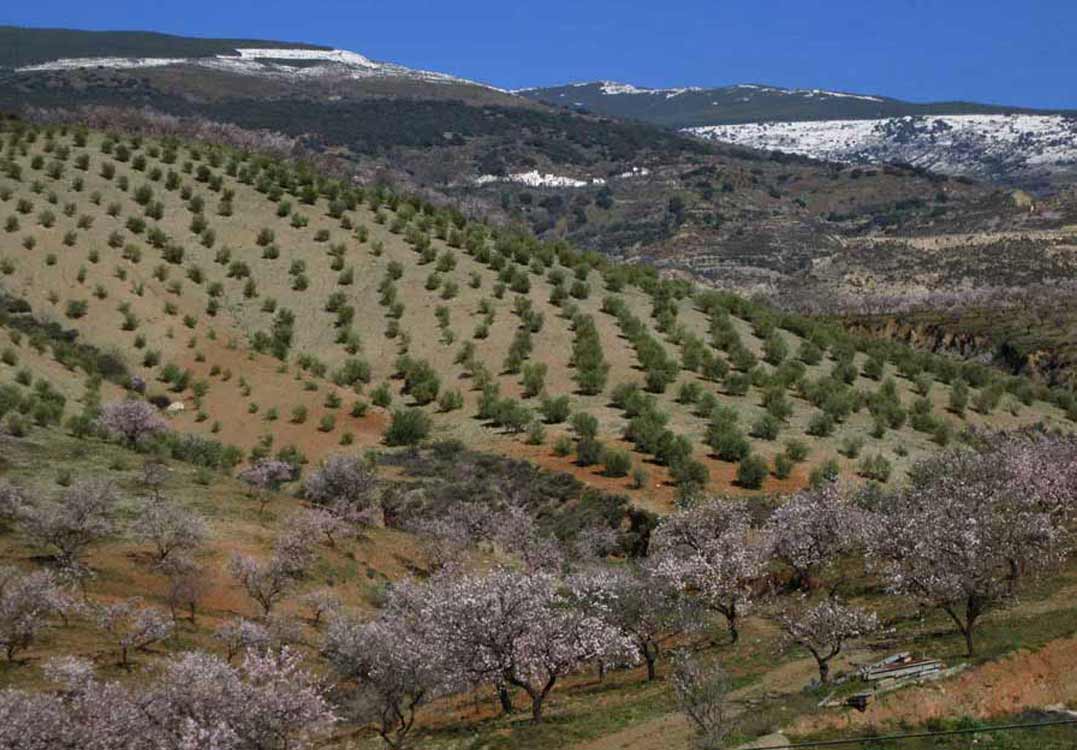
1020 52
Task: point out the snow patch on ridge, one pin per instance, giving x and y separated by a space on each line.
975 145
119 63
334 63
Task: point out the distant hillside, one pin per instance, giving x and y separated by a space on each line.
750 219
293 314
1033 149
743 103
25 47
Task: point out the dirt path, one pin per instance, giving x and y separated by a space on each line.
1021 681
947 241
671 731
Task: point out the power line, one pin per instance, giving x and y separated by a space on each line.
890 737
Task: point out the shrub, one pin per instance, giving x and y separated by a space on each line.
382 396
76 308
775 349
584 425
851 446
534 378
821 424
797 450
875 467
827 472
589 451
536 433
618 462
783 466
562 446
451 400
766 427
408 427
751 471
555 409
639 477
737 384
728 443
351 372
959 397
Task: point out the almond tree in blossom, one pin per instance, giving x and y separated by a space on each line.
825 628
264 476
702 691
132 626
132 420
318 522
269 581
268 703
395 661
449 535
239 635
82 516
343 485
28 601
710 550
639 602
265 582
12 501
596 542
267 474
155 474
513 628
514 530
814 531
169 528
973 526
322 605
187 582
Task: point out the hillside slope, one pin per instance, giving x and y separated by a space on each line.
286 309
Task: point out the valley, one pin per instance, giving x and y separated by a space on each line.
346 405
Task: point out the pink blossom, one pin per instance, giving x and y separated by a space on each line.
825 628
131 419
711 551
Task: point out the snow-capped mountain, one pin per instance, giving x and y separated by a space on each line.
1014 148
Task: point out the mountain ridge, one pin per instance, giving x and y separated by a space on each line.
694 106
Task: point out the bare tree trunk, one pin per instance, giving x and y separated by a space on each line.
824 670
505 698
650 656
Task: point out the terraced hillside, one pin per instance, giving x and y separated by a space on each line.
283 310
